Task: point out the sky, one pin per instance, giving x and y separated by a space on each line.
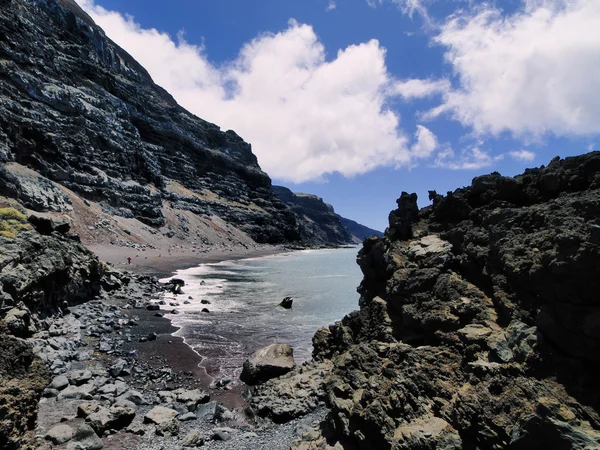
358 100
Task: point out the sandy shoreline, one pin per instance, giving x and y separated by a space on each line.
163 263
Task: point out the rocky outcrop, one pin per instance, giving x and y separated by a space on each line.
478 322
84 115
317 221
358 232
40 275
268 362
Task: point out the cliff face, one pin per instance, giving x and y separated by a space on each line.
83 114
359 232
479 321
318 223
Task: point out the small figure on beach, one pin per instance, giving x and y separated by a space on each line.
129 260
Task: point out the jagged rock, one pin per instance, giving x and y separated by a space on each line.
60 434
118 368
286 303
294 394
268 362
472 324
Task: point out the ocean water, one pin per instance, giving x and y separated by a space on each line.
243 298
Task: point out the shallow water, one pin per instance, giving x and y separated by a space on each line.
243 298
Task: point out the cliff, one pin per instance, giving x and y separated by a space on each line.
358 232
81 120
318 223
479 321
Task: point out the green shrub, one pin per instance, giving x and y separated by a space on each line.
11 222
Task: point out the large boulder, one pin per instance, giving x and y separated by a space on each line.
268 362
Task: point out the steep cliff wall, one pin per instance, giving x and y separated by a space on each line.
479 321
317 221
358 232
83 113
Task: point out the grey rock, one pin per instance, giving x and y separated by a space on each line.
118 367
60 434
187 416
87 439
268 362
194 438
223 433
60 382
79 377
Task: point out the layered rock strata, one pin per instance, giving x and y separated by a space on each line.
82 113
479 321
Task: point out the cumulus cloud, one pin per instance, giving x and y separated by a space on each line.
531 73
425 143
305 114
522 155
472 158
418 88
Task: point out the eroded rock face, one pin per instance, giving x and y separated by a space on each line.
81 112
478 325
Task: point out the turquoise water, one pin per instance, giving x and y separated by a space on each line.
243 298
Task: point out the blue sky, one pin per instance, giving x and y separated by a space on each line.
359 100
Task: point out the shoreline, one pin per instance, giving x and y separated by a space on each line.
171 348
161 263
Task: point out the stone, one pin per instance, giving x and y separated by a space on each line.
222 414
168 428
187 416
286 303
84 409
79 377
87 439
60 434
159 414
268 362
194 438
59 382
223 433
117 368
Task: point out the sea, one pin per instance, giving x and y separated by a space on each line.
243 298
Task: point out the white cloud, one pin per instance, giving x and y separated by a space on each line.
417 88
531 73
522 155
305 115
472 158
331 5
426 143
408 7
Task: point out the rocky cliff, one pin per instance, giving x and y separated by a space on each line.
358 232
88 119
318 223
479 321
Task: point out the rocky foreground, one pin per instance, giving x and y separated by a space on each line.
86 358
479 324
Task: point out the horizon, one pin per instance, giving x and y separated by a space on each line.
356 102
